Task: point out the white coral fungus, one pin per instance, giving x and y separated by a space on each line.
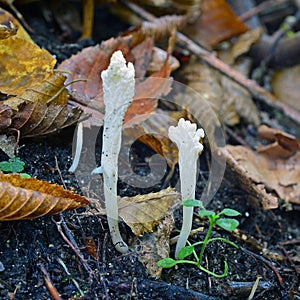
118 87
187 138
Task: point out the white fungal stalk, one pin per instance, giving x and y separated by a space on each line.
187 138
118 87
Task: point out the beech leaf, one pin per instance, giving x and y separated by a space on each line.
28 198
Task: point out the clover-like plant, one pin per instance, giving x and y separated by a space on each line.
187 138
14 165
228 224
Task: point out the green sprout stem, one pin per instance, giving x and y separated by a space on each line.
228 224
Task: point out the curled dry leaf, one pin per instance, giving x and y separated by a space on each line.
28 198
271 171
10 26
42 108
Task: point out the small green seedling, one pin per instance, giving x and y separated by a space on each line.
14 165
228 224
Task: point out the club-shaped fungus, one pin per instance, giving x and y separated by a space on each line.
187 138
118 87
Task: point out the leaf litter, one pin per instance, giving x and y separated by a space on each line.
274 157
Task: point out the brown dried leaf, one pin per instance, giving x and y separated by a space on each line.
284 145
28 198
285 85
217 23
22 65
269 171
89 63
42 108
34 119
228 99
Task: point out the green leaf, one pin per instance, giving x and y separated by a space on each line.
205 213
185 251
166 263
227 223
229 212
192 202
25 175
13 165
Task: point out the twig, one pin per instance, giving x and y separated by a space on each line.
163 289
50 287
59 173
254 288
260 8
69 274
266 262
255 90
72 243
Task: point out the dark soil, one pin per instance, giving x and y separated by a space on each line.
31 249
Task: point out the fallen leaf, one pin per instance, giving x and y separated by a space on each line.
271 173
42 108
143 212
28 198
285 85
22 65
154 246
216 23
283 145
88 65
35 119
229 100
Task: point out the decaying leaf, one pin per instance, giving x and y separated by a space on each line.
22 65
272 171
154 246
282 145
35 119
28 198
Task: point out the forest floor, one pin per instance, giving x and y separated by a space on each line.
33 250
